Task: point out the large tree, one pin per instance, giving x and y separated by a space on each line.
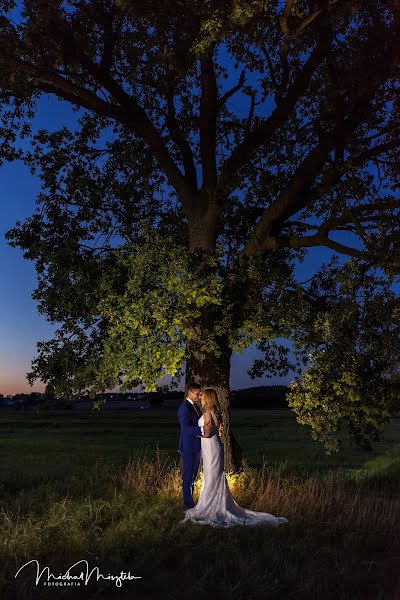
214 143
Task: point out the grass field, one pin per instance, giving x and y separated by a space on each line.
107 489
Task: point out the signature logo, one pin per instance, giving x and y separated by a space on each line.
70 579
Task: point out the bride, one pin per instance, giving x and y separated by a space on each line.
216 505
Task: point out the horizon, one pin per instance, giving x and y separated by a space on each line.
157 392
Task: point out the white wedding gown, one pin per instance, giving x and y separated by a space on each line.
216 505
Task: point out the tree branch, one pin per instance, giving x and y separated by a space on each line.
308 241
284 17
292 199
261 134
320 238
180 140
271 69
54 83
292 33
129 112
208 121
251 111
232 91
108 41
298 194
137 119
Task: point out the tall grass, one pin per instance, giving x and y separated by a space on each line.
337 498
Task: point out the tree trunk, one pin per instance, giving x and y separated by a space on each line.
204 368
212 371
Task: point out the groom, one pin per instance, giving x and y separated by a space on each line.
190 442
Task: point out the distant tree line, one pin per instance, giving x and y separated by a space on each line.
272 396
264 396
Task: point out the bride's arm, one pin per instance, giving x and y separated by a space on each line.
208 424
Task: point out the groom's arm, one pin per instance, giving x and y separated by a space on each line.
184 421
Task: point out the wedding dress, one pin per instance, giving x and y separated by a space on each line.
216 505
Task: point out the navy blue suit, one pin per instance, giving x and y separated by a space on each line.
190 449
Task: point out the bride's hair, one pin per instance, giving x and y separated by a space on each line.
211 402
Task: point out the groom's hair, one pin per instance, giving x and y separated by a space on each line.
193 386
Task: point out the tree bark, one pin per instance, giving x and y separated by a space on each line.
204 368
209 370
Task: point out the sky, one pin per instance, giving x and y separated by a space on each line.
21 325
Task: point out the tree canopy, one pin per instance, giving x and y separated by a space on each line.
215 142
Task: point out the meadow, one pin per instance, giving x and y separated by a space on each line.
106 488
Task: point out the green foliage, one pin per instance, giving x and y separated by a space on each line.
220 21
354 344
270 306
152 320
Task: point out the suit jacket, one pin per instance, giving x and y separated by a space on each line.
188 417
